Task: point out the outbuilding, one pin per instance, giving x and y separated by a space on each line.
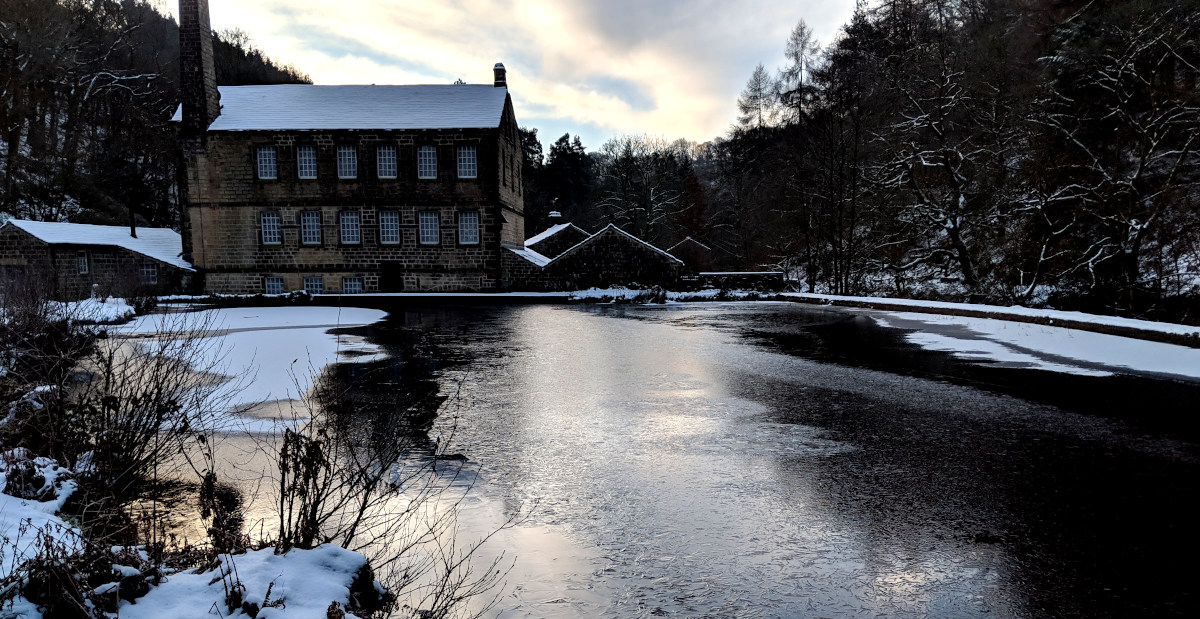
74 261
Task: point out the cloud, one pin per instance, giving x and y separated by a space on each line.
597 68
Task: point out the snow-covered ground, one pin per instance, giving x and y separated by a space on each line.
274 352
305 581
1011 311
24 520
108 310
1045 347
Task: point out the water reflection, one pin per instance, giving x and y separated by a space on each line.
699 473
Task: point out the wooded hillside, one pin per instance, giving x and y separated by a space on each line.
1010 151
86 90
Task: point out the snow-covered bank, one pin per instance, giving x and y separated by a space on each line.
27 524
1058 349
1145 329
108 310
275 351
300 584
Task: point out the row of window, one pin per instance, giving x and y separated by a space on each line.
148 270
350 228
347 162
313 285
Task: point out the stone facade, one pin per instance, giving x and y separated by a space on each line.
58 268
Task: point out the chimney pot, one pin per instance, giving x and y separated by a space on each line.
500 75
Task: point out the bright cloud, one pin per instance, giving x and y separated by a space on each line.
596 68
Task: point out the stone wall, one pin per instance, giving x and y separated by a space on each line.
510 185
521 274
236 259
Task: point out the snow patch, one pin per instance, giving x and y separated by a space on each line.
530 255
100 311
275 351
1014 310
305 580
1045 347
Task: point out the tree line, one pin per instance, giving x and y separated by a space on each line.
87 88
1008 151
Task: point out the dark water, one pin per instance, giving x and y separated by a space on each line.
775 460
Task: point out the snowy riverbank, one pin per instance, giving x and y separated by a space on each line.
1129 327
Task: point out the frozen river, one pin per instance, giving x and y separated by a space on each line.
763 460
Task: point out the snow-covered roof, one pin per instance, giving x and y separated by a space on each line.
283 107
531 256
614 228
551 231
161 244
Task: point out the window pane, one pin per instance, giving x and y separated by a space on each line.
306 161
314 285
427 162
350 228
270 228
351 285
149 273
468 228
310 228
266 162
385 162
81 262
273 285
428 228
389 227
347 162
466 162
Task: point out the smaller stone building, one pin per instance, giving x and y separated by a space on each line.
610 257
70 261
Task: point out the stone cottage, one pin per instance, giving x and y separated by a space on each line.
71 261
345 189
610 257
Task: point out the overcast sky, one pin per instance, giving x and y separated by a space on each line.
596 68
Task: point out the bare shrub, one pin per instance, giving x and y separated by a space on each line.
357 469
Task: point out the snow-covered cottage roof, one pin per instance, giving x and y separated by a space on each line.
283 107
551 231
530 255
616 230
161 244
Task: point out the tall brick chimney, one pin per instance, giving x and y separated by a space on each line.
197 73
498 70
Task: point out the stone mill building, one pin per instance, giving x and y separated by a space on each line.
345 189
